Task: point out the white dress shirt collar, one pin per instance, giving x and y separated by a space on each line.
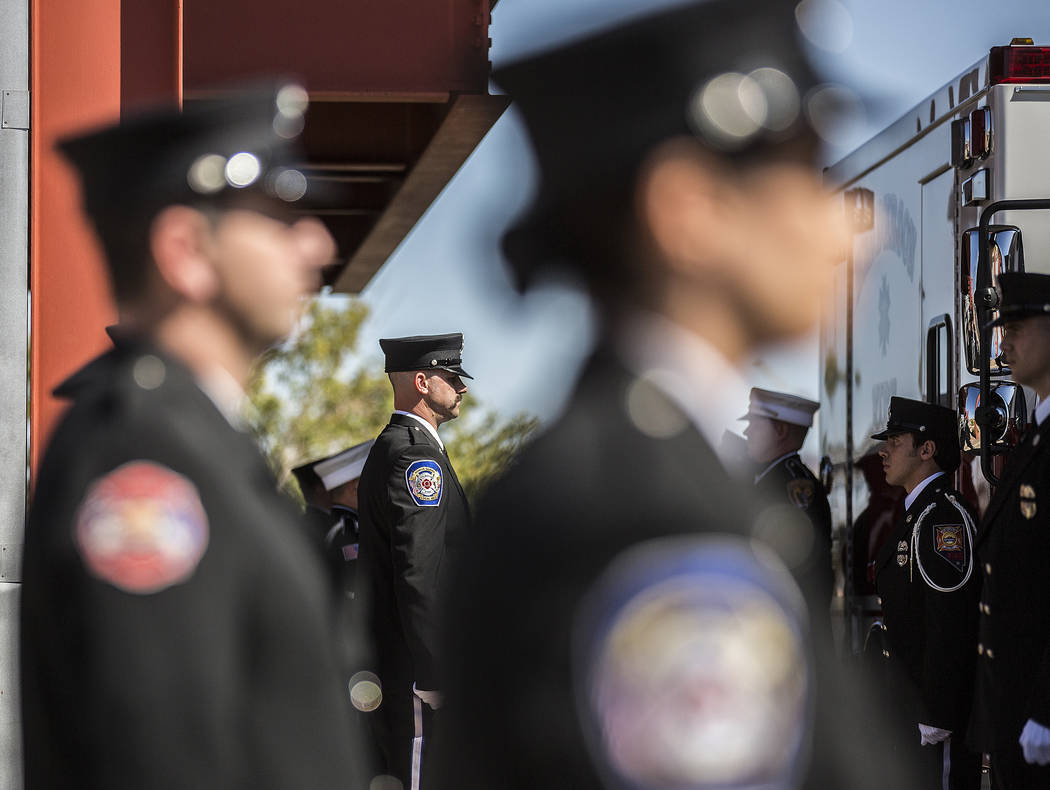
228 396
765 471
910 499
691 372
1042 409
432 430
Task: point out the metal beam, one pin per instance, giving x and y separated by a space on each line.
14 325
467 122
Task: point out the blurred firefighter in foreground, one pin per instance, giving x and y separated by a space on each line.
176 628
928 586
1012 706
622 618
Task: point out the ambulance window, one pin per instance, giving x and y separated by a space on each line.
939 359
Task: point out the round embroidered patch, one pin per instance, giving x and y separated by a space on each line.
142 528
424 482
691 669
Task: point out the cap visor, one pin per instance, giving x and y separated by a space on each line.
457 370
886 434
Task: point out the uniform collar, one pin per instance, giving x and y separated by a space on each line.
691 372
228 396
910 499
769 468
1042 410
430 428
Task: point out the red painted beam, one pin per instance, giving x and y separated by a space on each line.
348 46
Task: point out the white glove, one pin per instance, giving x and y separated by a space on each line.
930 736
1035 743
431 698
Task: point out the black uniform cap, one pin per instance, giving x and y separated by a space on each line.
928 420
214 151
730 73
425 352
1022 295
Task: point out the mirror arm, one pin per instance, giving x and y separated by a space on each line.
984 283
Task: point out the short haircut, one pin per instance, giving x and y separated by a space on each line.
946 455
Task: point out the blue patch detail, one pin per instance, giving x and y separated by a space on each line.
424 483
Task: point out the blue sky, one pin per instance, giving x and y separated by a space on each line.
447 275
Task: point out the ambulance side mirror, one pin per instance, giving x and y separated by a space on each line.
1008 412
1005 254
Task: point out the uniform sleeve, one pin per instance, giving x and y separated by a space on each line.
158 648
418 496
1038 707
945 560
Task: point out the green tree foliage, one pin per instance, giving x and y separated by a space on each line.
314 396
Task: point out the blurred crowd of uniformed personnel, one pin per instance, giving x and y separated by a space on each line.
636 602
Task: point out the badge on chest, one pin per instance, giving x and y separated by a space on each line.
1027 497
902 553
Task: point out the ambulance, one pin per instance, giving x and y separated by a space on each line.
940 202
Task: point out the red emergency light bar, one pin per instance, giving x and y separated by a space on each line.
1013 64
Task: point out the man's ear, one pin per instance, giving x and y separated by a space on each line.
780 429
681 200
928 449
421 382
180 238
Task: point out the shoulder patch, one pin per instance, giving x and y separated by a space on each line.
680 643
142 528
801 492
948 543
424 482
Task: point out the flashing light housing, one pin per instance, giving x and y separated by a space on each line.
1019 64
980 133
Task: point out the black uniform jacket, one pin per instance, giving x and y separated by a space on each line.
414 518
335 534
1013 547
622 466
926 578
790 482
175 629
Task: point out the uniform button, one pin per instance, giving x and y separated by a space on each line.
879 600
988 569
886 653
989 653
980 649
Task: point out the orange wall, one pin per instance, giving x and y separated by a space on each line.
91 59
75 82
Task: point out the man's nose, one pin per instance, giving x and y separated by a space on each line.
315 242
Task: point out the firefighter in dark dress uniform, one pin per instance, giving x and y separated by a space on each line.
926 579
617 622
330 487
1012 708
414 521
776 430
175 624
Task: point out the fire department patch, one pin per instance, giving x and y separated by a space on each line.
948 543
801 493
902 553
142 528
1027 494
424 483
690 669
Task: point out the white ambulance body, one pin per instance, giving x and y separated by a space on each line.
903 320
